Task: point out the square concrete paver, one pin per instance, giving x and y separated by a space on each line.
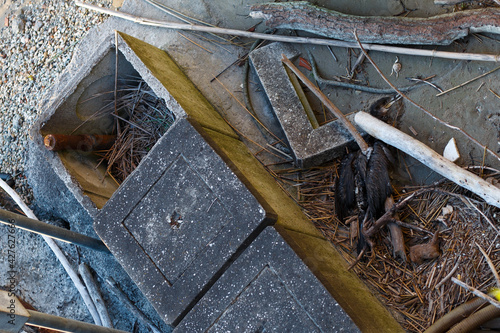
177 221
267 289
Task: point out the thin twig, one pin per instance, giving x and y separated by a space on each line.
458 129
331 52
494 93
293 39
449 275
426 82
490 264
467 82
192 41
411 226
348 85
476 292
483 215
59 254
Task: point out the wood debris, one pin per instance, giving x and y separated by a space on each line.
418 293
436 30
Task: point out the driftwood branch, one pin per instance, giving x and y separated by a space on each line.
455 128
292 39
436 30
428 157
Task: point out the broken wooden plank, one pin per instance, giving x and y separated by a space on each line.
435 30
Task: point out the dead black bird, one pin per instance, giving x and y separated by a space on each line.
363 183
364 176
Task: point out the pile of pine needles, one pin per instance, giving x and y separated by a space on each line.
417 295
141 119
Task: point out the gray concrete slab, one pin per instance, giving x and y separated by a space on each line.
311 146
267 289
178 219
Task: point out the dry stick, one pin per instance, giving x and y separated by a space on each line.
448 276
396 233
387 217
59 254
129 305
428 157
440 29
94 292
494 93
118 129
458 129
467 82
483 215
476 292
359 139
293 39
490 264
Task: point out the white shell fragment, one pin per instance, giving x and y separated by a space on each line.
451 151
447 210
396 67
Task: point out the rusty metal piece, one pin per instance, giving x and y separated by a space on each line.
85 142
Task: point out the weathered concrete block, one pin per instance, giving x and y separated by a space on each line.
310 146
267 289
176 240
75 108
177 220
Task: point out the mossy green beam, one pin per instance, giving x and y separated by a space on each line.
316 252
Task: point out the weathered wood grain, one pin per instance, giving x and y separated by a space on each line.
435 30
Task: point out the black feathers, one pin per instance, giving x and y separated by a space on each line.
345 197
378 183
364 183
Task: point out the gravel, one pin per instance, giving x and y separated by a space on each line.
36 43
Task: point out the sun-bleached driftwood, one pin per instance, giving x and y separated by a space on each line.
428 157
293 39
435 30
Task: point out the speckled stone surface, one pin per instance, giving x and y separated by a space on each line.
178 219
267 289
310 146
